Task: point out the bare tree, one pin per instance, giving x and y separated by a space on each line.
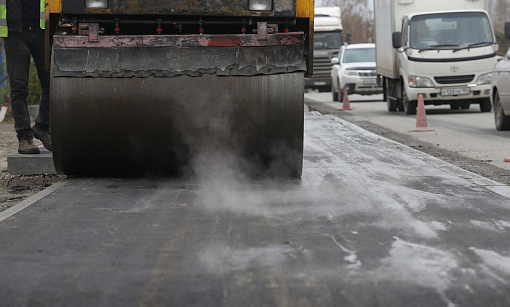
499 10
357 18
358 15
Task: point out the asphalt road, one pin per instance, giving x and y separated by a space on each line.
465 138
371 223
469 132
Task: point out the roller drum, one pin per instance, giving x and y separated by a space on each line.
165 104
164 125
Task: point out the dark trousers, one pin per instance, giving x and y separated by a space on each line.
19 46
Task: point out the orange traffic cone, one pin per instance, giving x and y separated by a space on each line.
346 105
421 118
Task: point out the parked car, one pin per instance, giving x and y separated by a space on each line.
500 89
354 68
500 92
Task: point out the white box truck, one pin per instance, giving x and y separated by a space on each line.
444 50
327 41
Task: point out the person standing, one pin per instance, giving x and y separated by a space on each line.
22 29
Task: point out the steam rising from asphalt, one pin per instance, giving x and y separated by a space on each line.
340 193
334 185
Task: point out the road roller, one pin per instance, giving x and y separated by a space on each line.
151 87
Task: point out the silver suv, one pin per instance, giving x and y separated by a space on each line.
354 68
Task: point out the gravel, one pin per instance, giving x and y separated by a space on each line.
16 188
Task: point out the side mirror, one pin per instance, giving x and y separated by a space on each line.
396 39
335 60
507 29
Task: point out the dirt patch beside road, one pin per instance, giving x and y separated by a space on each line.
8 142
16 188
475 166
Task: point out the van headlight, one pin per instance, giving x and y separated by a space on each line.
484 79
261 5
417 81
96 4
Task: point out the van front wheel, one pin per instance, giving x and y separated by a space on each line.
409 106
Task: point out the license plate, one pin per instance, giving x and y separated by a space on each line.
452 91
369 82
320 83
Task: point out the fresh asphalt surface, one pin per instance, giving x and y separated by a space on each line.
371 223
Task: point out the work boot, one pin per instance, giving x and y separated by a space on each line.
43 136
26 145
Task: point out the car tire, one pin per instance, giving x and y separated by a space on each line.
501 120
334 92
340 95
465 106
485 105
392 104
400 107
454 105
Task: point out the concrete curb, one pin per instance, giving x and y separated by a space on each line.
31 200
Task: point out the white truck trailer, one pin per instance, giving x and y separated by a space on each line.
444 50
327 42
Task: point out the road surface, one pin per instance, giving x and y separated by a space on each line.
371 223
465 138
468 132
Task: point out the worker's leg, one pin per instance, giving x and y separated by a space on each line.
18 66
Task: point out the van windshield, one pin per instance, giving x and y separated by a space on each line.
450 31
359 55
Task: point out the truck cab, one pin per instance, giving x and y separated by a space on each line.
327 42
443 50
446 57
